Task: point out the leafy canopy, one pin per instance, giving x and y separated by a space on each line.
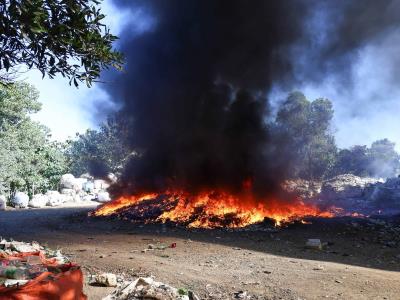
56 37
29 160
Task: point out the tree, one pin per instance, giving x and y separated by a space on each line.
99 152
56 37
304 129
352 161
29 160
383 159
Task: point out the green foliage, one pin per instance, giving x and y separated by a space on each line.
99 151
56 37
380 160
29 161
352 161
304 131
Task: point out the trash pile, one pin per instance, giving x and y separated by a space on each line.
20 262
148 288
346 186
36 272
71 190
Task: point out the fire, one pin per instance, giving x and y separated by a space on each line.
211 209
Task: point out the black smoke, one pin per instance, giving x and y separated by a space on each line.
194 90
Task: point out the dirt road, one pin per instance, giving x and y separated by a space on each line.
216 263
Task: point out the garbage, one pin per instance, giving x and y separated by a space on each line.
3 202
20 200
38 201
147 288
173 245
105 279
100 184
31 271
103 197
67 181
53 198
314 244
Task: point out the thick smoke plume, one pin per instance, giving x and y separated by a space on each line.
195 85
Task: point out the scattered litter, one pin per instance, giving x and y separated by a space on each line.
105 279
25 266
314 244
318 268
147 288
240 295
173 245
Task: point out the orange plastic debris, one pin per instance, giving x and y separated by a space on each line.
66 285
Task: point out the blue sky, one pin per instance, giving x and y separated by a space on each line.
66 109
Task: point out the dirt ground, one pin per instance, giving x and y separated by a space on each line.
361 262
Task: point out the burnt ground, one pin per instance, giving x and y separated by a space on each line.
361 261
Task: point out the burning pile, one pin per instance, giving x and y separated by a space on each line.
209 209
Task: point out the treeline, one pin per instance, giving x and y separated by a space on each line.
301 137
303 133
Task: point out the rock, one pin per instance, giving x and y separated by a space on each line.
38 201
345 186
314 244
3 202
67 181
103 197
105 279
20 200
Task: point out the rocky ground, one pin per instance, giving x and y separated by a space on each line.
361 259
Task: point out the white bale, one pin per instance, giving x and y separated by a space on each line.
54 198
65 198
68 192
20 200
3 202
76 198
79 184
38 201
88 186
103 197
67 181
86 198
100 184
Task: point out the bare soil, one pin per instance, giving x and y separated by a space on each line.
362 260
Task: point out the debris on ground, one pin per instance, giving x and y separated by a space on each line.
25 267
147 288
21 262
104 279
314 244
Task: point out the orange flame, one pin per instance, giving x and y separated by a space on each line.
212 209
